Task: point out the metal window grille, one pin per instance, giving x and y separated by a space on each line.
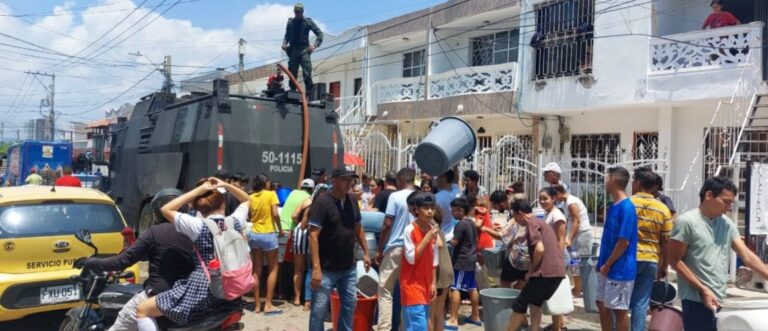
563 40
495 48
719 146
646 146
413 64
600 147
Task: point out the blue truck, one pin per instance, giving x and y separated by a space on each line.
45 157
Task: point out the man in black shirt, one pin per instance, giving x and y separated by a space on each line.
334 225
390 185
170 258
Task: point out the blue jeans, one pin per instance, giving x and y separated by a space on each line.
696 316
308 285
641 294
415 317
345 283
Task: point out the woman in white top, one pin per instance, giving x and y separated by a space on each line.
556 220
580 237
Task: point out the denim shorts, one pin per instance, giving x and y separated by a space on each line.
263 241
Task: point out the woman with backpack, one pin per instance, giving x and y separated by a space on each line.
191 296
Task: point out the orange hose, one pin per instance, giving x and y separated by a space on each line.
304 123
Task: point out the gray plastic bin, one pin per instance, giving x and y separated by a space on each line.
497 307
451 141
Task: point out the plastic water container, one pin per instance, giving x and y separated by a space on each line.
589 282
362 317
667 318
451 141
497 307
367 282
573 264
743 315
372 221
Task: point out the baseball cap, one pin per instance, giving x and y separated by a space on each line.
298 7
308 183
343 172
424 199
318 171
554 167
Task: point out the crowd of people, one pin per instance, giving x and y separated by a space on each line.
430 254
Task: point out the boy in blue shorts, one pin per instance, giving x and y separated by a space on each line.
464 258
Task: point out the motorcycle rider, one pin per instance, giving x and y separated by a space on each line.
168 251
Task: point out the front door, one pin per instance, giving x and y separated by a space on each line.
334 89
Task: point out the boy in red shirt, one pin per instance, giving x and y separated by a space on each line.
420 257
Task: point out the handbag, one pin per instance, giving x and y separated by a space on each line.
561 302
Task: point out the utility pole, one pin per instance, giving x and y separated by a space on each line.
2 129
18 135
241 66
50 100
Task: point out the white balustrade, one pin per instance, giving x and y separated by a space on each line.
462 81
706 49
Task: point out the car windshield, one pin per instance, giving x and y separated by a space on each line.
58 219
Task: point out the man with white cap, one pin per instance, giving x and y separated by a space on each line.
552 174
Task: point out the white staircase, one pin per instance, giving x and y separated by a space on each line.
354 120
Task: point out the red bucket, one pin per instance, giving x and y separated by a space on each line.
362 319
666 318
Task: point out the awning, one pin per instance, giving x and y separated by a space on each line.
353 160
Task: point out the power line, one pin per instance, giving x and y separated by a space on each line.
105 33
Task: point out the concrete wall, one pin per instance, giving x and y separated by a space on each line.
619 63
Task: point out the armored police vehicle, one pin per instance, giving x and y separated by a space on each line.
173 142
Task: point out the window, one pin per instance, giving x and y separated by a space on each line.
413 64
52 219
495 48
646 146
484 142
598 147
563 39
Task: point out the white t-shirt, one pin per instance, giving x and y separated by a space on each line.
554 216
583 215
444 199
192 226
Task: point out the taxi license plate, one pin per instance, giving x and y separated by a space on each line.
57 294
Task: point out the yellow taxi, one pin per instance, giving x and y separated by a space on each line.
38 246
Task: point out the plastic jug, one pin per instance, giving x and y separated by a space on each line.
451 141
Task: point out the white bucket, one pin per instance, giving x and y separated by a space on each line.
367 282
743 315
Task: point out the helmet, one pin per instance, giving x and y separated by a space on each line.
161 198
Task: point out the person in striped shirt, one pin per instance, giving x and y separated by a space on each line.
654 225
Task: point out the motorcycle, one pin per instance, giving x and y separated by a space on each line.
106 296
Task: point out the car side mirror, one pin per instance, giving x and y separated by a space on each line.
84 236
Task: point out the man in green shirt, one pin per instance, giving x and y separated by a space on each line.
296 45
700 253
33 178
293 201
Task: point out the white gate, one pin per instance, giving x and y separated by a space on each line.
379 154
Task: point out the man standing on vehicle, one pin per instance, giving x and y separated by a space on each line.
168 251
334 227
296 45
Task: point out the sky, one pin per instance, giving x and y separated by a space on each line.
91 46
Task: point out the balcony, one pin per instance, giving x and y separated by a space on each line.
705 64
462 81
706 50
